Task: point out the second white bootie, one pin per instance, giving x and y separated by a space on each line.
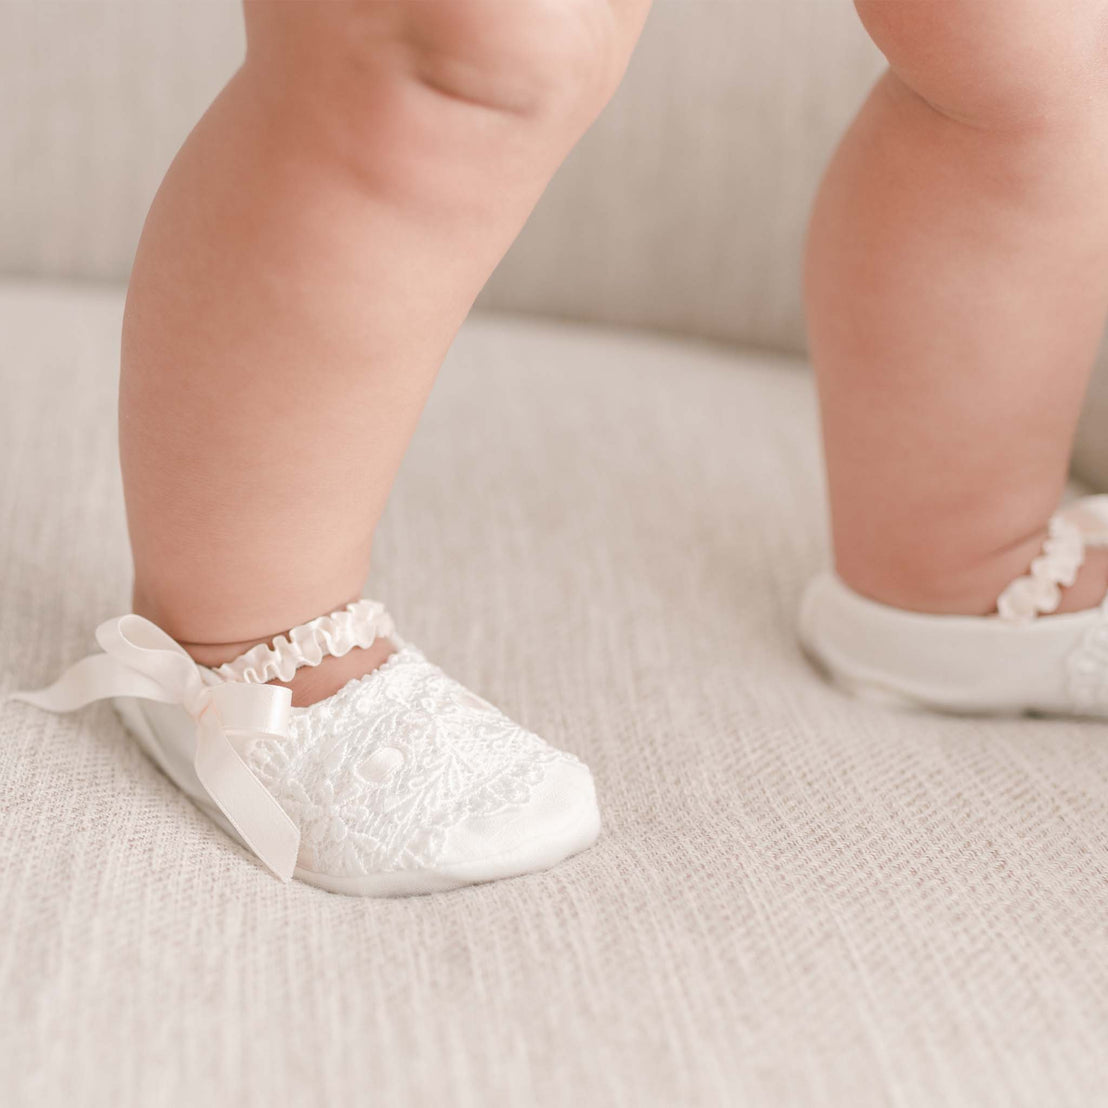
1020 660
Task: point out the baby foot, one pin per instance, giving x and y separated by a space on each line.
400 781
1035 654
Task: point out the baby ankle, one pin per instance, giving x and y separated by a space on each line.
314 660
975 587
1091 586
311 684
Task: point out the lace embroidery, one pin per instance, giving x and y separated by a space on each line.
359 624
1041 590
379 774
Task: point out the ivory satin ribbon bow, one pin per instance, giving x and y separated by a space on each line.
141 660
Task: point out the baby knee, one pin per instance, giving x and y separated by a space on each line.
532 58
537 58
994 64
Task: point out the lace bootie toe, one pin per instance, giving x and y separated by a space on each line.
402 782
1011 663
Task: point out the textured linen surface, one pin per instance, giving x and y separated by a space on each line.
797 899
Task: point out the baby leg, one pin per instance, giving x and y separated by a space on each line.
957 285
305 265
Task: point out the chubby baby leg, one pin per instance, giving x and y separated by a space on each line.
305 266
957 284
307 261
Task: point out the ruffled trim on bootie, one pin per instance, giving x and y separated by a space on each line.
359 624
1040 591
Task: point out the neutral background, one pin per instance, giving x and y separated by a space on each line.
798 900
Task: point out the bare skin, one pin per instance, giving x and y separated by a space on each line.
957 287
327 226
306 263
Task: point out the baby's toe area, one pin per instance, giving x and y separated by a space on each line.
559 819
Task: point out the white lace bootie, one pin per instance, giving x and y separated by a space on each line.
401 782
1010 663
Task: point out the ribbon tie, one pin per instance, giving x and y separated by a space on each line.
140 660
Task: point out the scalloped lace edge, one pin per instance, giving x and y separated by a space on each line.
359 624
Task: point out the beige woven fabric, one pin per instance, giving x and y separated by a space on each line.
797 901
